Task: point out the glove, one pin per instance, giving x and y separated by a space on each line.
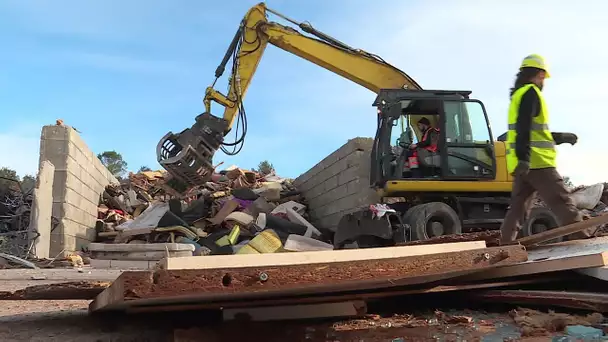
561 138
522 169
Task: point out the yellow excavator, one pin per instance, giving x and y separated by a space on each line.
464 184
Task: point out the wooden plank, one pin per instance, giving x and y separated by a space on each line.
596 272
569 255
308 299
301 258
140 247
597 302
147 256
188 286
562 231
491 237
303 311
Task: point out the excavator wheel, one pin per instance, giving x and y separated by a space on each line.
432 219
540 219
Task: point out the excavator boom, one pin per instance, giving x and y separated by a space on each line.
188 155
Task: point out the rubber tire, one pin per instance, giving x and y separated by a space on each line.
407 218
541 213
420 216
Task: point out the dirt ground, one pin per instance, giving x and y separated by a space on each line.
69 321
66 321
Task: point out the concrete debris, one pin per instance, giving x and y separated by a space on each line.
238 212
537 323
15 211
17 260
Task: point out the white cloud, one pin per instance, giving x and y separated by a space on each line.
21 148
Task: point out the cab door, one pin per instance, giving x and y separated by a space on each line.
468 146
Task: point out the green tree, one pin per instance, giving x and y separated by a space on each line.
28 183
8 179
265 167
144 168
114 162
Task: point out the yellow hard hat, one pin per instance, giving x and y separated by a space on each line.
535 61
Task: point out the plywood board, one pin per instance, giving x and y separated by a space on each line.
569 255
596 272
301 258
592 301
176 287
140 247
350 296
301 311
563 231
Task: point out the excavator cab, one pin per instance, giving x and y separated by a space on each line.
465 143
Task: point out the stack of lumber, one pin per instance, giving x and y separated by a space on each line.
340 282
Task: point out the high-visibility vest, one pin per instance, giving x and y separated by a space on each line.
433 146
542 145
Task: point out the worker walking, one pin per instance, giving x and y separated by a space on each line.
531 154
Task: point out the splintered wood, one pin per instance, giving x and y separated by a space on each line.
571 255
215 287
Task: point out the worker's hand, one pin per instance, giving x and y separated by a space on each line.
569 138
561 138
413 146
521 169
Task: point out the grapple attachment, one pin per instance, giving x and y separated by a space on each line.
188 156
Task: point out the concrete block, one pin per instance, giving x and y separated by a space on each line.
123 264
80 179
331 183
55 151
346 149
54 132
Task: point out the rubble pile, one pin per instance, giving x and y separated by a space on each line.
237 212
15 207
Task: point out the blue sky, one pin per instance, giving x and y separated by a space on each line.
124 73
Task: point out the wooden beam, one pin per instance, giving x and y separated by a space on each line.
570 255
301 258
562 231
592 301
352 296
491 237
177 287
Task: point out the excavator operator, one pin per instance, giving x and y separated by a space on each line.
531 154
425 147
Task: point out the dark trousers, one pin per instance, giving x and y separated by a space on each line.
552 191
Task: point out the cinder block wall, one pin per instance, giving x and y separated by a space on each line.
79 180
339 184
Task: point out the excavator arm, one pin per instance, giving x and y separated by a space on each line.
188 155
